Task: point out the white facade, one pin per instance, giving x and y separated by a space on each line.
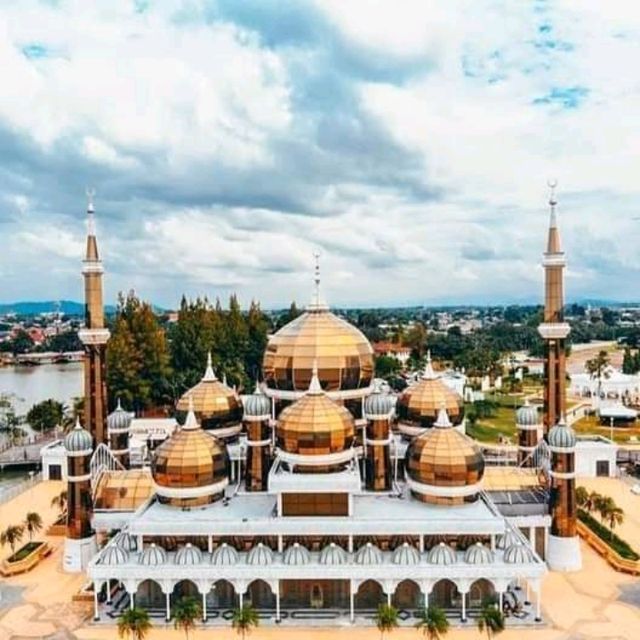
596 456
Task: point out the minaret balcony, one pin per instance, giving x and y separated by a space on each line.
554 259
94 336
554 330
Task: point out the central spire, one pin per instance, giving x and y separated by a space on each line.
553 241
92 244
317 301
428 373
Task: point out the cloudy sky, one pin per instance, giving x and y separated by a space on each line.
408 142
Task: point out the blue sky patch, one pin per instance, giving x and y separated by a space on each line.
35 51
566 97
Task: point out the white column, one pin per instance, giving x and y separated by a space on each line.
167 602
350 544
233 471
131 601
108 591
500 600
96 612
538 603
280 544
493 542
278 600
464 607
532 537
421 543
241 599
426 599
210 544
204 607
352 615
140 543
546 542
389 598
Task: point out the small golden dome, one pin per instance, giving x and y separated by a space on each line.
443 465
315 424
191 468
420 403
214 403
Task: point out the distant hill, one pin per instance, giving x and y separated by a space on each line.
27 308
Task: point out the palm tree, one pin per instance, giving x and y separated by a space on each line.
60 501
433 622
597 369
32 523
490 619
592 500
244 618
186 613
386 619
582 496
604 506
11 536
134 623
614 516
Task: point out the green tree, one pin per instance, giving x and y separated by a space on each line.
433 622
597 368
416 339
257 330
134 623
592 501
45 415
65 341
32 523
604 505
11 536
291 314
244 619
490 620
386 618
186 613
582 496
137 356
387 366
22 342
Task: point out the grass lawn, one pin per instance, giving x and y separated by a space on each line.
590 425
503 423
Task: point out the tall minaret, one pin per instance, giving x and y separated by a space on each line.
563 553
554 329
94 336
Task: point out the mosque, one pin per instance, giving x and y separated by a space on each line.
319 496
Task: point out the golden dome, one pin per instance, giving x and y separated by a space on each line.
214 403
123 490
443 465
343 354
421 402
191 468
315 424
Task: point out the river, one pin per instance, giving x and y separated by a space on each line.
29 385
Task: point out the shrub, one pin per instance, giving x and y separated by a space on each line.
619 545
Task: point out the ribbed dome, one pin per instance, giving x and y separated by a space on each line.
333 554
507 539
118 420
420 403
442 554
257 405
191 467
518 554
315 425
343 354
214 403
126 541
443 465
562 436
378 405
153 555
406 554
296 554
260 555
527 415
114 554
224 555
478 554
78 439
188 555
368 554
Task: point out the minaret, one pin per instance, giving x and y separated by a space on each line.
378 411
554 329
118 423
563 553
80 542
94 336
256 418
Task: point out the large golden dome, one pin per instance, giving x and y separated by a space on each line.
214 403
315 424
419 404
191 468
443 465
343 354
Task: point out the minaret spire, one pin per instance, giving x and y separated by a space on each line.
94 335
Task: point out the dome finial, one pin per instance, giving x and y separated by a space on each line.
91 225
428 373
314 386
209 374
78 425
190 422
317 302
442 421
118 404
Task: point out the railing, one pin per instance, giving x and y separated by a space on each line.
610 555
27 563
16 490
